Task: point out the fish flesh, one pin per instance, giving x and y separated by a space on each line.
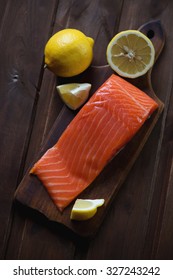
105 124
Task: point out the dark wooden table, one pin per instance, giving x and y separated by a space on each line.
139 224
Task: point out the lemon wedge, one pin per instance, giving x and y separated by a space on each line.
130 53
85 209
74 95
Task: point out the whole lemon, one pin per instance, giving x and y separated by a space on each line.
68 52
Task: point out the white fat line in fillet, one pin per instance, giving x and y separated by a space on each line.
86 144
133 98
48 156
49 170
144 99
49 185
101 146
95 145
47 153
53 163
74 146
77 149
67 142
60 191
91 138
63 182
114 138
101 149
52 156
63 198
56 177
129 115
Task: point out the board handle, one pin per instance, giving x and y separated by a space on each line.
154 31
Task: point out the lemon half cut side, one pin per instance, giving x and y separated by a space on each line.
130 53
74 95
85 209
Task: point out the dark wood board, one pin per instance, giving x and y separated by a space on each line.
32 193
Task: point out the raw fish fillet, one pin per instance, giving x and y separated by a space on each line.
102 127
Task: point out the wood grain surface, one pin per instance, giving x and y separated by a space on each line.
32 193
139 224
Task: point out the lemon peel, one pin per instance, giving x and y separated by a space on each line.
130 53
85 209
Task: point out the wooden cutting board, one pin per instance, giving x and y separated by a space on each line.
32 193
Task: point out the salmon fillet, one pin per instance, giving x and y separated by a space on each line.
102 127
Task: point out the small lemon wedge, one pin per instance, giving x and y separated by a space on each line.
74 95
130 53
85 209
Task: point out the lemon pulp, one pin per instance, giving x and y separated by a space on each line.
130 53
74 95
85 209
68 52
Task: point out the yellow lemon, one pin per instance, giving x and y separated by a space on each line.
74 95
130 53
85 209
68 52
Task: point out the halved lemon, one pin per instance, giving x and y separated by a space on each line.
74 95
85 209
130 53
